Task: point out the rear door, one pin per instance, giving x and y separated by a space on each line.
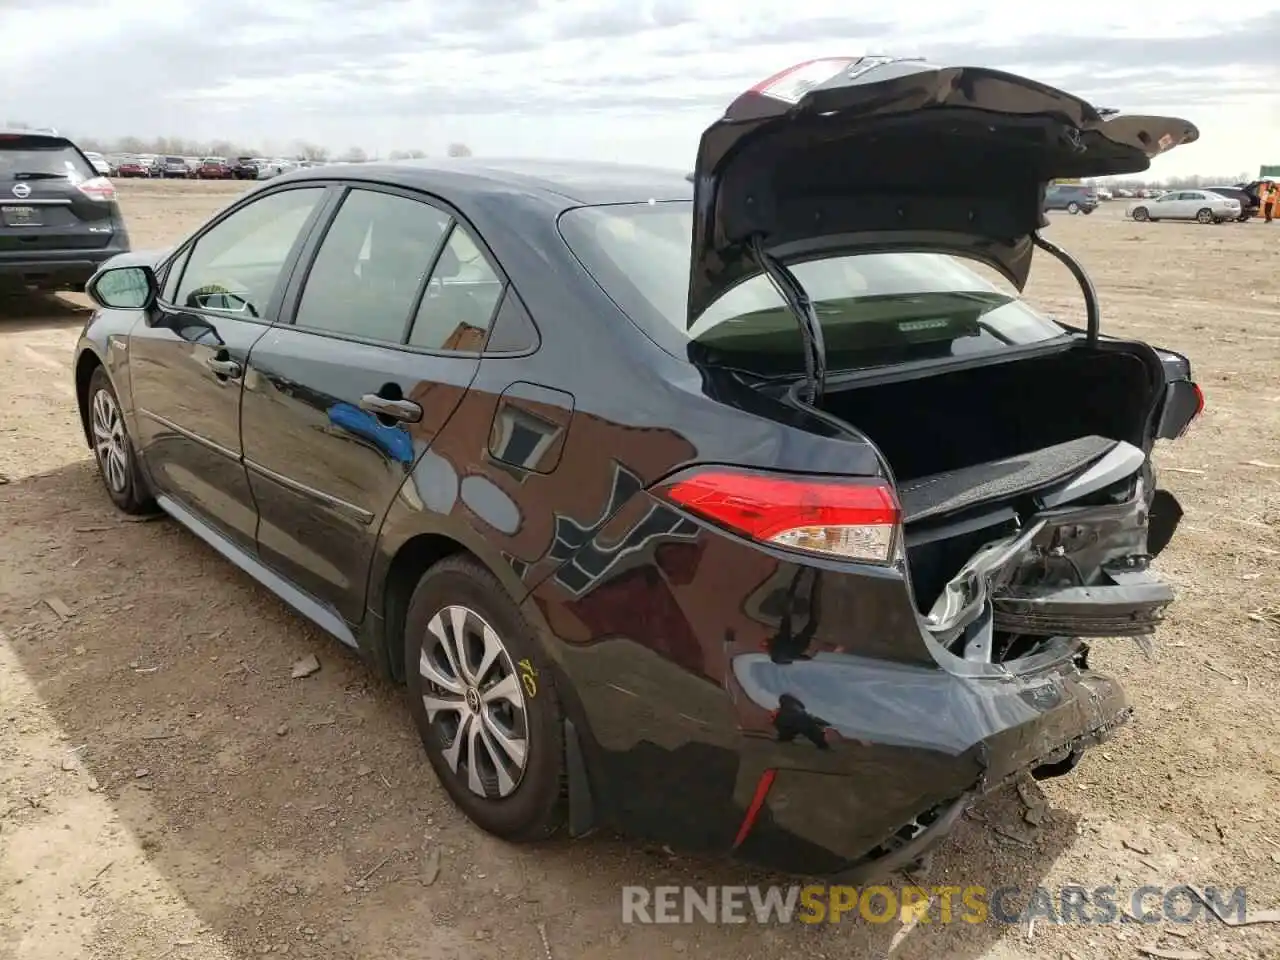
221 293
389 322
48 198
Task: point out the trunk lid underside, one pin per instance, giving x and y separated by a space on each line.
867 154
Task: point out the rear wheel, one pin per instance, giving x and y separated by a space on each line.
1073 208
113 450
1140 214
485 706
1204 215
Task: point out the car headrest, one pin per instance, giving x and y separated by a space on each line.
448 265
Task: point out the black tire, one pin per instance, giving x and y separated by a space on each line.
1073 208
1140 214
1204 215
126 486
1087 210
535 808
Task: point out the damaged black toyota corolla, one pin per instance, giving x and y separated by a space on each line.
785 550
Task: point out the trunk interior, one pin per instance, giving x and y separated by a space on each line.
969 447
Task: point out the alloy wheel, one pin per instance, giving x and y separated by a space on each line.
109 441
475 699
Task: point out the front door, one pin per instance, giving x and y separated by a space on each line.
339 405
1178 205
220 295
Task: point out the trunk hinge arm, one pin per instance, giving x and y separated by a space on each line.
1092 312
793 294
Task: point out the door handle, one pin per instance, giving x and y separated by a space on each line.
406 411
225 368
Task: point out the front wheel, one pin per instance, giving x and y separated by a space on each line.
484 702
1073 208
113 450
1141 214
1204 215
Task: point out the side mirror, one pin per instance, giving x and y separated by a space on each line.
123 288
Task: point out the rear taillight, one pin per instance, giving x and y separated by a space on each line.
1199 408
98 188
850 518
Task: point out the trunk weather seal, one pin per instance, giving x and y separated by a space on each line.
1092 311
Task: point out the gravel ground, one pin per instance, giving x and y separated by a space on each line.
166 790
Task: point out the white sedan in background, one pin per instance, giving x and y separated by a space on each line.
99 162
1203 206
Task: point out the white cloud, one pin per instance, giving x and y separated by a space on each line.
597 78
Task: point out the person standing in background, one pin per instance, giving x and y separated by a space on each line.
1267 191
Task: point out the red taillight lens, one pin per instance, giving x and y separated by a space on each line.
98 188
852 518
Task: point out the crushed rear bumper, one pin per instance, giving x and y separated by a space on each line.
907 750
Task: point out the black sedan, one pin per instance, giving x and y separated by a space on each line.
741 515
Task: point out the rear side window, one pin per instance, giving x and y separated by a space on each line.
26 157
371 266
458 304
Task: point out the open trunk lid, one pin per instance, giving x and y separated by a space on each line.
874 153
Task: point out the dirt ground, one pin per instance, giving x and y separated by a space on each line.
166 790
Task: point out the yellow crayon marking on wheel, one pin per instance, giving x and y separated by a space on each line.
528 676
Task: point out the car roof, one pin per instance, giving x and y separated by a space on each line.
564 183
22 132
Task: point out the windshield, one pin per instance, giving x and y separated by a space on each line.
875 309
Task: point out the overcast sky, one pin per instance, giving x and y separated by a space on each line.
626 79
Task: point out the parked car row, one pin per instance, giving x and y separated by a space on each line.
1212 205
195 168
1208 205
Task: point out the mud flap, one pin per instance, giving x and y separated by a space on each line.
1163 518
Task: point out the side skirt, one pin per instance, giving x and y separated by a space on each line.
319 613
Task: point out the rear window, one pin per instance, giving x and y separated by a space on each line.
31 157
875 309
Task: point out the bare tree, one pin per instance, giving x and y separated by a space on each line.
408 154
355 155
459 150
311 151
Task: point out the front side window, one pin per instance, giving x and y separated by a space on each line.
371 266
875 309
235 266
